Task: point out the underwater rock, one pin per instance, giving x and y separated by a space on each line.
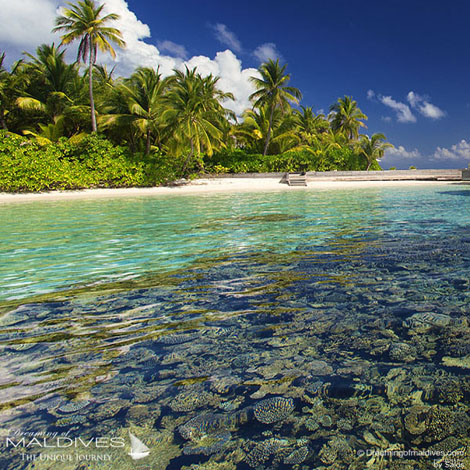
423 321
328 453
210 423
335 449
263 451
344 425
443 422
376 439
71 420
232 404
50 403
173 358
148 393
73 406
110 408
319 368
415 420
177 338
326 421
143 415
212 465
222 384
312 424
402 352
273 409
386 423
192 399
449 444
208 445
296 457
200 425
461 362
315 387
448 390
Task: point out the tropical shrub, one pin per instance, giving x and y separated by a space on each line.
238 161
93 162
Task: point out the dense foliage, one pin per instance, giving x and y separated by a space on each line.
26 165
238 161
156 129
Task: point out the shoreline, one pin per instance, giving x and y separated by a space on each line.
210 186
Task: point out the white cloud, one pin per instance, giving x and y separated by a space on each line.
431 111
402 110
457 156
423 105
227 37
176 49
137 53
233 78
267 51
413 98
456 152
21 29
402 153
26 24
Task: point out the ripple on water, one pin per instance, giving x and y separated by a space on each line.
353 334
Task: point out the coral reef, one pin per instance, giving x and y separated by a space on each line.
273 409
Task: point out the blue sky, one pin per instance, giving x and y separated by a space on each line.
405 62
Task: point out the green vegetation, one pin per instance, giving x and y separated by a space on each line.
84 22
28 165
73 126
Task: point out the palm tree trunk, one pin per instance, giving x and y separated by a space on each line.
268 137
368 165
3 123
147 147
188 159
90 85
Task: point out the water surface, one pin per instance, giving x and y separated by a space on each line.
284 330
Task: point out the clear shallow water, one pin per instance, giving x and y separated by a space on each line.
55 245
346 310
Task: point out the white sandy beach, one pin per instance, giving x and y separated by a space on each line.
208 185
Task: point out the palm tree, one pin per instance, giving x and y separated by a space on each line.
272 91
50 78
11 85
195 116
309 125
84 22
53 94
143 98
254 129
4 76
347 117
373 148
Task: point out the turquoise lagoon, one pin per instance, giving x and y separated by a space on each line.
304 329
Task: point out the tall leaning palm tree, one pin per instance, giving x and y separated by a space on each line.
373 148
85 22
272 91
346 117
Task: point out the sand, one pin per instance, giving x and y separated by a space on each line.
206 186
